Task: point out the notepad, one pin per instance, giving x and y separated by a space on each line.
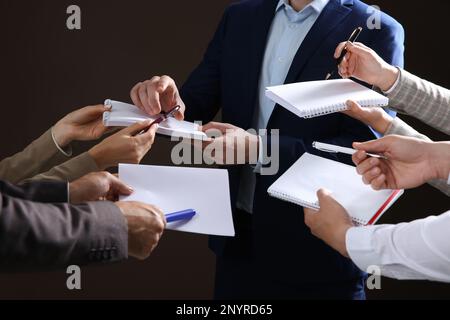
318 98
299 185
174 189
124 115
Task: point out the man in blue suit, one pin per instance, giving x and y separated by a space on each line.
262 43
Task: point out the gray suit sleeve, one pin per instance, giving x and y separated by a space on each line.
401 128
423 100
70 170
41 236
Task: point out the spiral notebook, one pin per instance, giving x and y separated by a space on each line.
124 115
299 185
318 98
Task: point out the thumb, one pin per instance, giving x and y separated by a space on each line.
149 135
379 146
222 127
354 110
95 111
323 195
136 128
119 187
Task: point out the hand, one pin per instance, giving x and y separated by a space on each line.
330 223
97 186
231 145
411 162
156 95
126 146
146 225
82 125
376 118
364 64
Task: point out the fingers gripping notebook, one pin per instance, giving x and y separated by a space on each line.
299 185
124 115
318 98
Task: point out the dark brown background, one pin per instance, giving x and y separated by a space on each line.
47 71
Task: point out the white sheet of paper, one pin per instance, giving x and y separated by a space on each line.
174 189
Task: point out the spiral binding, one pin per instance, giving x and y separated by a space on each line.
293 200
288 198
322 111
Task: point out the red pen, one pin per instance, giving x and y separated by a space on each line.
164 116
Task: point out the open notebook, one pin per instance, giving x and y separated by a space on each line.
299 185
317 98
124 115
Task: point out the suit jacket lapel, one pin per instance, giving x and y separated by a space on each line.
264 14
332 15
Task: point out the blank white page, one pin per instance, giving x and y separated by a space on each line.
175 189
311 173
315 98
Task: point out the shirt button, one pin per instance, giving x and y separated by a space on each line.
280 59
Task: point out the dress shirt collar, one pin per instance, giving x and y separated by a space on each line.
316 6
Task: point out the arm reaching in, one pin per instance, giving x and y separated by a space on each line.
365 64
85 124
126 146
411 162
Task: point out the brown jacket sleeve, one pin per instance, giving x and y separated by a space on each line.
71 170
41 236
38 157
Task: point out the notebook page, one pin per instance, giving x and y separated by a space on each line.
312 173
307 99
174 189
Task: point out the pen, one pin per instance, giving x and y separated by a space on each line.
181 216
163 117
336 149
352 39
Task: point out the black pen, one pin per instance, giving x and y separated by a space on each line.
352 39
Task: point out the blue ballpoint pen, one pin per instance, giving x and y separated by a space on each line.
181 216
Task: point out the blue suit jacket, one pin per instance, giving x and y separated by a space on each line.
228 78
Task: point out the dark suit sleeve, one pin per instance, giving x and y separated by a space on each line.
201 92
38 236
42 191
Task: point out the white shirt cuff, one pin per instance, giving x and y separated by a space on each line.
360 247
68 152
395 84
448 182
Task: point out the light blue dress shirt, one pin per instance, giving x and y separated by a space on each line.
288 31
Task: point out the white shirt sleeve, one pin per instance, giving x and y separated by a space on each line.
419 250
